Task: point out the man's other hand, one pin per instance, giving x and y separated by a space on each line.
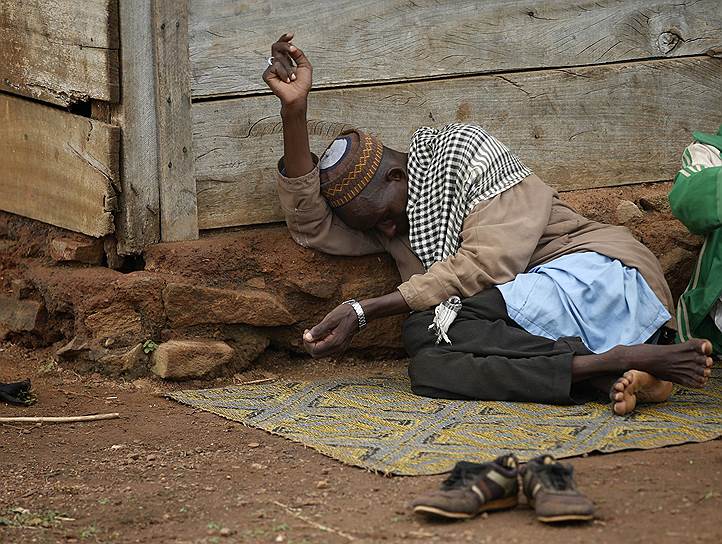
334 334
290 75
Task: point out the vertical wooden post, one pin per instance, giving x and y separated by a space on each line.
177 184
158 196
138 218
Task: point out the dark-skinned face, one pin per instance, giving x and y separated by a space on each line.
382 205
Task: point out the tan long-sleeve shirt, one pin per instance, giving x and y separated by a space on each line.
523 227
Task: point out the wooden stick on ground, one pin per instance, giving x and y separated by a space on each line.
69 419
312 523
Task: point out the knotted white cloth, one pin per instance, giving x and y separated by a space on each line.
444 315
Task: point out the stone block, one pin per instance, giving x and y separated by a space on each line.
187 359
626 211
21 288
247 344
88 250
19 315
75 348
656 203
115 321
188 305
126 361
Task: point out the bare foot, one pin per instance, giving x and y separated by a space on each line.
637 386
687 364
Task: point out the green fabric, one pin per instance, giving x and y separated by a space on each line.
696 200
714 140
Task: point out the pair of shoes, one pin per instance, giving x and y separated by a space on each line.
473 488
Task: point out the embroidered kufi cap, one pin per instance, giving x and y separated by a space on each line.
348 165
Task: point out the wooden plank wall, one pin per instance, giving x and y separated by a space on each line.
77 56
57 167
577 128
60 52
372 41
589 93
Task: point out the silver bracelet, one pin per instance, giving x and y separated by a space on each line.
360 315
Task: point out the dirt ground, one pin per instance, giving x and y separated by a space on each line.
164 472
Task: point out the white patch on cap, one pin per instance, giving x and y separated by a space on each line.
333 154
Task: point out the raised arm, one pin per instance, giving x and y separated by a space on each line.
290 77
309 218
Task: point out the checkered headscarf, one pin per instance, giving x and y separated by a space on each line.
451 170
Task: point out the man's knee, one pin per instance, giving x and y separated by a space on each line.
426 375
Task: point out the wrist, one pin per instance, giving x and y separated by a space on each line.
358 309
294 110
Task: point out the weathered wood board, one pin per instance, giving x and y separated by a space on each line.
57 167
367 41
577 128
138 218
60 51
177 184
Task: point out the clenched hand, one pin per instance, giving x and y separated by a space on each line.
291 74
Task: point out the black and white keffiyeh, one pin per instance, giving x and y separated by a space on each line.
451 170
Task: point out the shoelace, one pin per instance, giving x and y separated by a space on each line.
557 476
462 476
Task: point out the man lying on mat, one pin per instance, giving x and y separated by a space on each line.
551 302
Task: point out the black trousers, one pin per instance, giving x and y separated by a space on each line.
490 357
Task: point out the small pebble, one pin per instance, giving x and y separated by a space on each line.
322 484
225 531
253 444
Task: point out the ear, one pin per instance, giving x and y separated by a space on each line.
395 174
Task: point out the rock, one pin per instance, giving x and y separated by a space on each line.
20 315
626 211
126 361
75 348
188 305
21 288
115 321
185 359
87 250
257 283
656 203
247 344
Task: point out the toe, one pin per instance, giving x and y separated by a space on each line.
709 362
707 347
707 372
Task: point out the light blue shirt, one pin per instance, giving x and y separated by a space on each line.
587 295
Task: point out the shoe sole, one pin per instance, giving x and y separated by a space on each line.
561 517
565 517
499 504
